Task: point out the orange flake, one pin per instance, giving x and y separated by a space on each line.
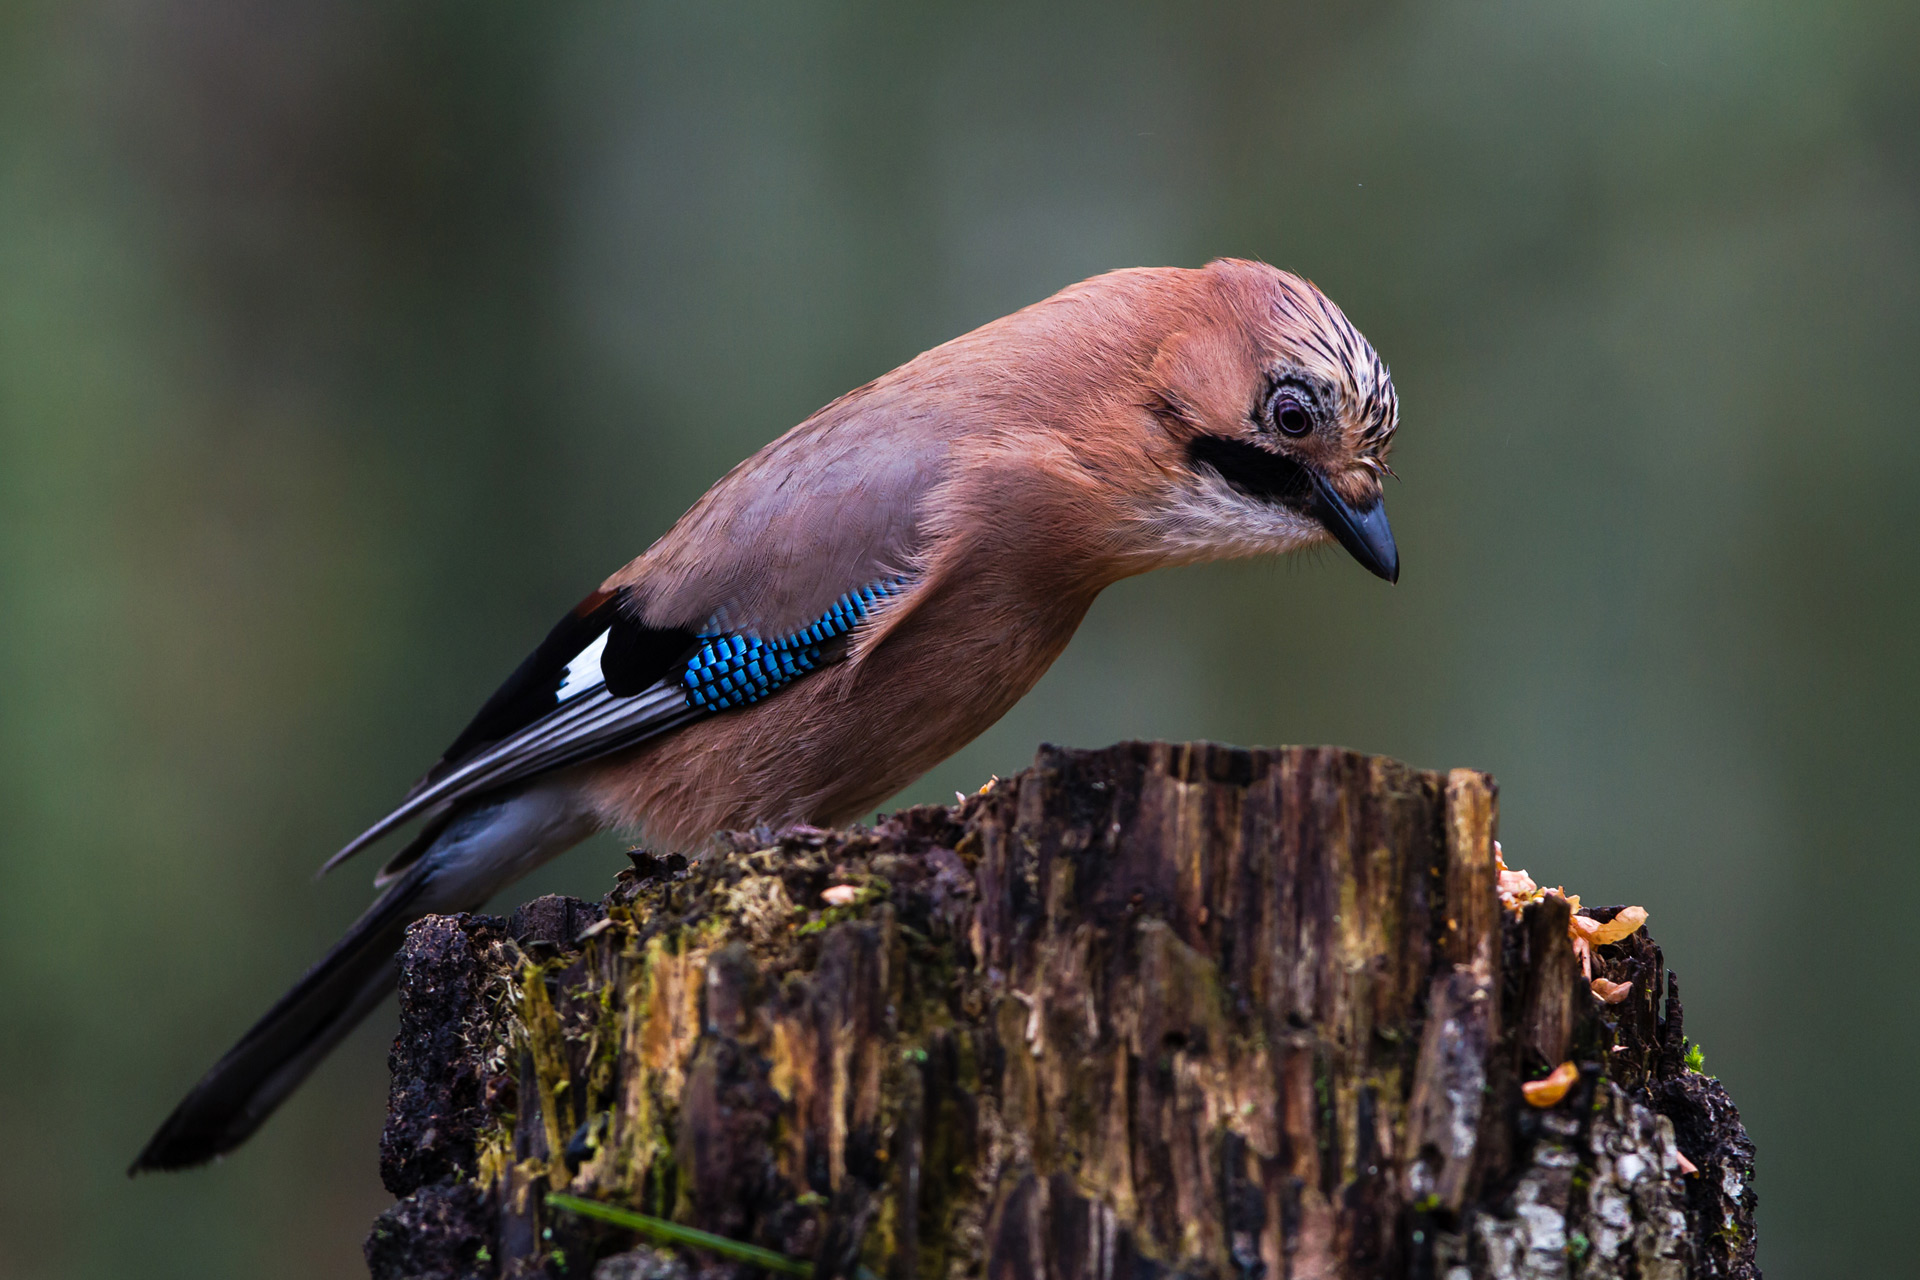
1546 1092
1588 933
1628 921
1686 1166
840 895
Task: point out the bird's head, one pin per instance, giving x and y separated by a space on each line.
1277 417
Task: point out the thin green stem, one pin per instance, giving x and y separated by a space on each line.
674 1233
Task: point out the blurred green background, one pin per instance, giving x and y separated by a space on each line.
343 346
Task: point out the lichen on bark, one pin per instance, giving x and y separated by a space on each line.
1156 1010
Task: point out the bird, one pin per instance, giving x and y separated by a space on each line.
862 597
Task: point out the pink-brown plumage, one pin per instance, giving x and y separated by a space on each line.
975 501
1014 472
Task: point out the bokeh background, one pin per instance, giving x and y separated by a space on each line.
343 346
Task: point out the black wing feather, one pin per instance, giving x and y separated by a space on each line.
535 721
635 657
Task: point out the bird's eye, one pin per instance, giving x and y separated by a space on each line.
1291 416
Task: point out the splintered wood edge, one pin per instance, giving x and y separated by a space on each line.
1471 936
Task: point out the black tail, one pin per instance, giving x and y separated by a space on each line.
270 1061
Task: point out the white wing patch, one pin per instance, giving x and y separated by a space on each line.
583 673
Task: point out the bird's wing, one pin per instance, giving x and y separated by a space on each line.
836 503
762 582
598 682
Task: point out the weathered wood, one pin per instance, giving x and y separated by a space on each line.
1154 1010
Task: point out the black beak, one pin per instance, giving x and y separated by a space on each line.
1363 531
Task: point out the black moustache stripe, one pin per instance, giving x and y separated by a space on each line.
1256 472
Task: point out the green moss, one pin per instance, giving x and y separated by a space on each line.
611 1047
644 1171
544 1041
493 1152
1578 1245
1696 1060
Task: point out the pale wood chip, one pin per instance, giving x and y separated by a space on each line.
1611 992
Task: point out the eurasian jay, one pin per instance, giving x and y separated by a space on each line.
862 597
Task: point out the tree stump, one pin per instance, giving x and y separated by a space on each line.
1157 1010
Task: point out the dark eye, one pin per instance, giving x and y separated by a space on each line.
1291 416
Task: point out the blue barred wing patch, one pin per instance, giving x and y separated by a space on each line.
740 670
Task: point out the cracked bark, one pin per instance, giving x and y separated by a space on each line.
1158 1010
